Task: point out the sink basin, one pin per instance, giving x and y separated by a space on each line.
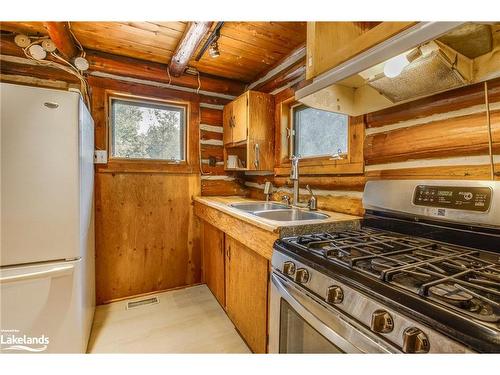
290 215
259 206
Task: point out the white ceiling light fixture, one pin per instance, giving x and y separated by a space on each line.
48 45
37 52
393 67
81 63
214 50
22 40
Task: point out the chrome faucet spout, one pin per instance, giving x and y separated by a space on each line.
294 176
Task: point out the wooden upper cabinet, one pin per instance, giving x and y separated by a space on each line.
329 44
249 131
240 115
246 293
227 122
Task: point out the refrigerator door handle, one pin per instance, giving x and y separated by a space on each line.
43 271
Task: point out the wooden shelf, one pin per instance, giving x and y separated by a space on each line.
237 144
236 169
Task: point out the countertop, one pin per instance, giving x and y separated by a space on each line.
335 222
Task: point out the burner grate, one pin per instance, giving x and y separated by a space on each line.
457 276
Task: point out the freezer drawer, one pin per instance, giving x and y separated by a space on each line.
42 309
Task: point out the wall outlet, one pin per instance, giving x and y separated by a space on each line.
100 157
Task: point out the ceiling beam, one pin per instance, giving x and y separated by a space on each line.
60 35
194 33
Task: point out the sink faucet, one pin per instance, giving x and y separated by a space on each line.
294 176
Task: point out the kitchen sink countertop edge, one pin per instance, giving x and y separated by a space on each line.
336 220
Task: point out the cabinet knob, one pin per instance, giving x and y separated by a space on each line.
302 276
289 268
415 341
334 294
382 322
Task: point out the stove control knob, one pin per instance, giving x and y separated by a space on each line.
289 268
302 276
415 341
334 295
382 322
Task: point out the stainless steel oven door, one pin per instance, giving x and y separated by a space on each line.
299 323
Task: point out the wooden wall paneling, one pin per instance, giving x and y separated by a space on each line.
130 67
455 172
222 188
209 150
289 75
448 101
459 136
211 135
37 70
211 116
146 236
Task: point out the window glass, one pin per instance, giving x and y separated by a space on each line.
146 130
318 132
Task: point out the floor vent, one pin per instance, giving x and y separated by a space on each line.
142 302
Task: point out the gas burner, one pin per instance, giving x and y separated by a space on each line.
450 294
461 278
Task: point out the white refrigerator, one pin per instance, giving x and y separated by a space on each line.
47 297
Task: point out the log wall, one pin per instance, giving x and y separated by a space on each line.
440 137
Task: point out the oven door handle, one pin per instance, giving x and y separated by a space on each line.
309 310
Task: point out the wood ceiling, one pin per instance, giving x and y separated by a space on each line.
247 48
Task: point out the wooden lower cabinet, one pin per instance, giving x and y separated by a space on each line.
238 278
246 293
213 261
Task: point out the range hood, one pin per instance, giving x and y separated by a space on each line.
443 58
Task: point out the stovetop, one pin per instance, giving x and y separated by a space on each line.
463 279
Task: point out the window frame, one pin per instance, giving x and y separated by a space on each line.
152 103
293 136
352 163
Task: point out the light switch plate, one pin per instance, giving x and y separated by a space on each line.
100 157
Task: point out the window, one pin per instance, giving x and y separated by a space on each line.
147 130
318 132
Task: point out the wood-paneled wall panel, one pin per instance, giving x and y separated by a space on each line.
448 101
211 116
454 172
460 136
222 188
146 235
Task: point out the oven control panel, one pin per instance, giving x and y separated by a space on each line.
457 197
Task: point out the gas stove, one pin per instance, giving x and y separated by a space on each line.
426 257
464 279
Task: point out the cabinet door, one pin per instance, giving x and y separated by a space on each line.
347 39
246 293
240 116
227 121
213 261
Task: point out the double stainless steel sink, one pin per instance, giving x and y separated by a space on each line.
278 211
